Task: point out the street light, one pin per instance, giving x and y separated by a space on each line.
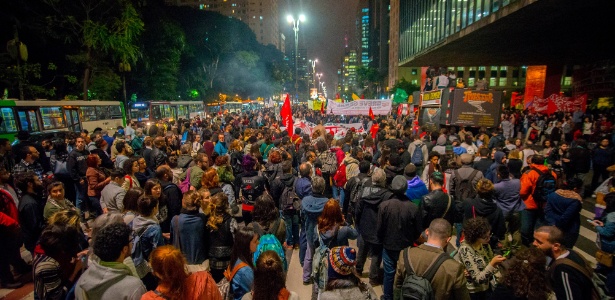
314 70
319 75
295 24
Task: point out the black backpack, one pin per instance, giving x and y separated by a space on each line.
289 201
545 185
418 287
464 189
251 188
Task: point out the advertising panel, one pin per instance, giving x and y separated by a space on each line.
476 108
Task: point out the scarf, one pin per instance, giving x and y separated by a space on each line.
284 294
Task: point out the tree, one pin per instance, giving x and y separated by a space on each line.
406 86
369 79
90 25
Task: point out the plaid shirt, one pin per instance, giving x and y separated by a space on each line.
23 166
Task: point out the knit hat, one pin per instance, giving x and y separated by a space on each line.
399 185
409 169
466 159
341 261
441 140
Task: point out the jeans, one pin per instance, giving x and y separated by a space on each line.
292 228
375 253
307 263
459 231
530 219
80 196
302 245
389 259
338 193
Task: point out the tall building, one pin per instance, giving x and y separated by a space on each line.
379 34
362 32
347 80
262 16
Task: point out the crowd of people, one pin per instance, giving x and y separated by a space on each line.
208 208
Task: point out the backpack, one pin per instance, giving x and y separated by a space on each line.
224 286
545 185
250 189
138 256
136 144
464 189
61 168
268 241
236 159
289 201
184 186
599 290
355 194
417 158
320 261
418 287
329 162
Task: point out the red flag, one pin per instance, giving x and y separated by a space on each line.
362 96
287 115
371 113
399 110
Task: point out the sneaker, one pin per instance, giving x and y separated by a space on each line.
12 285
286 246
296 246
307 282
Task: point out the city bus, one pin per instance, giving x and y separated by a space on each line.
165 110
52 116
233 107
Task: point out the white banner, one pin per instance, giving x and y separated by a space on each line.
338 130
359 107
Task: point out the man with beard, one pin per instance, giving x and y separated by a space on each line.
31 207
77 166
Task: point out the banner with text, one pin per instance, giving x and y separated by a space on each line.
556 103
476 108
431 98
379 107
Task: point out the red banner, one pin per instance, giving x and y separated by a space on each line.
555 103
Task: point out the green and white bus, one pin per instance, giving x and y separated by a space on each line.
48 116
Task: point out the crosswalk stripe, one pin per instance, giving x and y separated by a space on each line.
587 214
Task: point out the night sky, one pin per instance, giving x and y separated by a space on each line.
326 24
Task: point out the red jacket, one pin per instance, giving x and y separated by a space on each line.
528 183
9 215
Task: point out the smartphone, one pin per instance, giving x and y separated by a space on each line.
590 220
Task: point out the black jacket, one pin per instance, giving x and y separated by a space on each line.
174 202
158 157
399 223
392 171
566 280
366 214
435 205
31 219
279 184
351 185
106 160
76 163
580 160
488 209
483 165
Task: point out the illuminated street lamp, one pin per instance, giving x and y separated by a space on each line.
295 24
319 75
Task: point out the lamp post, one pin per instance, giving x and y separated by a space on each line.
295 24
319 75
314 70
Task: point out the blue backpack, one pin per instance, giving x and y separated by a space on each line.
417 158
268 241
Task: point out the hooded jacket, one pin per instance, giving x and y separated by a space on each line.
100 282
366 214
303 187
311 207
528 183
488 209
151 237
492 172
399 223
562 210
507 196
76 164
193 236
392 171
416 190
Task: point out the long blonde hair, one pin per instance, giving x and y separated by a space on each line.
217 207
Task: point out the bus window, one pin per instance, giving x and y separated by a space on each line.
7 124
52 118
183 112
156 112
103 112
27 119
115 112
89 113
